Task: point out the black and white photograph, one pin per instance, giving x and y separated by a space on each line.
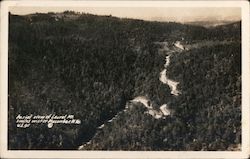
108 77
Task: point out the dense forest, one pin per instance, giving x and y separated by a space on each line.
93 66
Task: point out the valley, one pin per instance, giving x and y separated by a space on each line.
135 85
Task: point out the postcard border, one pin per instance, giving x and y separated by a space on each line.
126 154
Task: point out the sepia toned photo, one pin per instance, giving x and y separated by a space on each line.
145 78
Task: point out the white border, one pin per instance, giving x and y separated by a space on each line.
125 154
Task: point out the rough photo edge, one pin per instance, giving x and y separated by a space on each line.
5 153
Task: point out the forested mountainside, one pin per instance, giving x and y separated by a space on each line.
101 69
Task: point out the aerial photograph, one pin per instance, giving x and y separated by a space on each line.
124 78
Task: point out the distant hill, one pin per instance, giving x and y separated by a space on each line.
209 24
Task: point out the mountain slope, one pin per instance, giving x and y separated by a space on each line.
93 66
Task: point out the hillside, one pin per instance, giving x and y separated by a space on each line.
135 85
